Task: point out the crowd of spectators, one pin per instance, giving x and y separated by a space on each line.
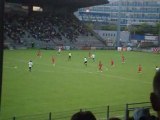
43 27
13 28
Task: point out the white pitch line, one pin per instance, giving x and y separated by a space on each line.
11 67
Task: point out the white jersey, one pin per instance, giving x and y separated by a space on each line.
157 68
85 59
30 64
93 56
59 50
70 54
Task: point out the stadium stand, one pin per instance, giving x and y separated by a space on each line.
45 29
50 30
71 4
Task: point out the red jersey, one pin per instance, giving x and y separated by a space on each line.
100 66
53 60
112 62
139 68
39 53
123 59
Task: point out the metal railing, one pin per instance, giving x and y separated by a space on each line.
102 113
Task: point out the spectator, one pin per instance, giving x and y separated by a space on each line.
43 27
141 114
86 115
114 118
155 95
157 68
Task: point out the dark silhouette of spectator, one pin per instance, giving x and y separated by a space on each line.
131 118
155 95
114 118
83 115
141 114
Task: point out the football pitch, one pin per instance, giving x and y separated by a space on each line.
70 84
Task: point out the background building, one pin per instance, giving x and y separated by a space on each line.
133 12
110 37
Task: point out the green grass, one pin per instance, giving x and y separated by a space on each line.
69 84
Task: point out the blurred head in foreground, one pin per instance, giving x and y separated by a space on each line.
83 115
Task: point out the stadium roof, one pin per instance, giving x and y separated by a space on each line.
61 3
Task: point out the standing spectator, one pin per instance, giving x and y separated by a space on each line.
155 95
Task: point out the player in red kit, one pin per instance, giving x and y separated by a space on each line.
112 62
139 68
100 66
53 61
123 59
39 54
